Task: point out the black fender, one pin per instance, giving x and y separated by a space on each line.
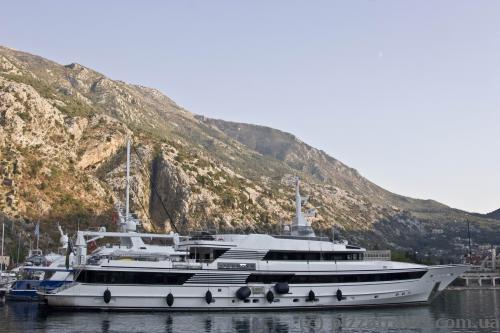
339 295
270 296
281 288
243 293
311 296
170 299
106 296
208 297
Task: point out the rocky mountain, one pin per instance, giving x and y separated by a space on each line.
62 150
494 215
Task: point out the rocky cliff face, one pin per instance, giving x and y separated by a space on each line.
62 136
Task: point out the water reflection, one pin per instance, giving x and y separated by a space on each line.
105 326
168 324
471 305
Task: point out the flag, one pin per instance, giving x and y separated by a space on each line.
91 246
37 229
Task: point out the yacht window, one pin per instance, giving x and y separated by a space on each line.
114 277
205 254
346 278
312 256
351 278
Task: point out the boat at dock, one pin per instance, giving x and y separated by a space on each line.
41 272
204 271
243 272
6 280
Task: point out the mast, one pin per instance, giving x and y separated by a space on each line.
37 234
128 222
18 248
299 217
300 226
470 249
127 199
298 201
3 238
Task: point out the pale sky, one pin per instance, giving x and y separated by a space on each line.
406 92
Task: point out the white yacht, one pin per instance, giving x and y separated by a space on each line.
242 272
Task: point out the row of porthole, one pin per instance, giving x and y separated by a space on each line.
243 293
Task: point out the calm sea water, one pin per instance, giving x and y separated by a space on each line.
452 311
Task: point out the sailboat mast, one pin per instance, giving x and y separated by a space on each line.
470 248
3 238
127 199
37 230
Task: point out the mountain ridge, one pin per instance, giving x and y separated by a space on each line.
494 214
211 173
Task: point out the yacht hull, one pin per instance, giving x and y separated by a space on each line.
28 290
193 297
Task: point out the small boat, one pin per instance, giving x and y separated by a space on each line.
40 272
48 279
6 279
